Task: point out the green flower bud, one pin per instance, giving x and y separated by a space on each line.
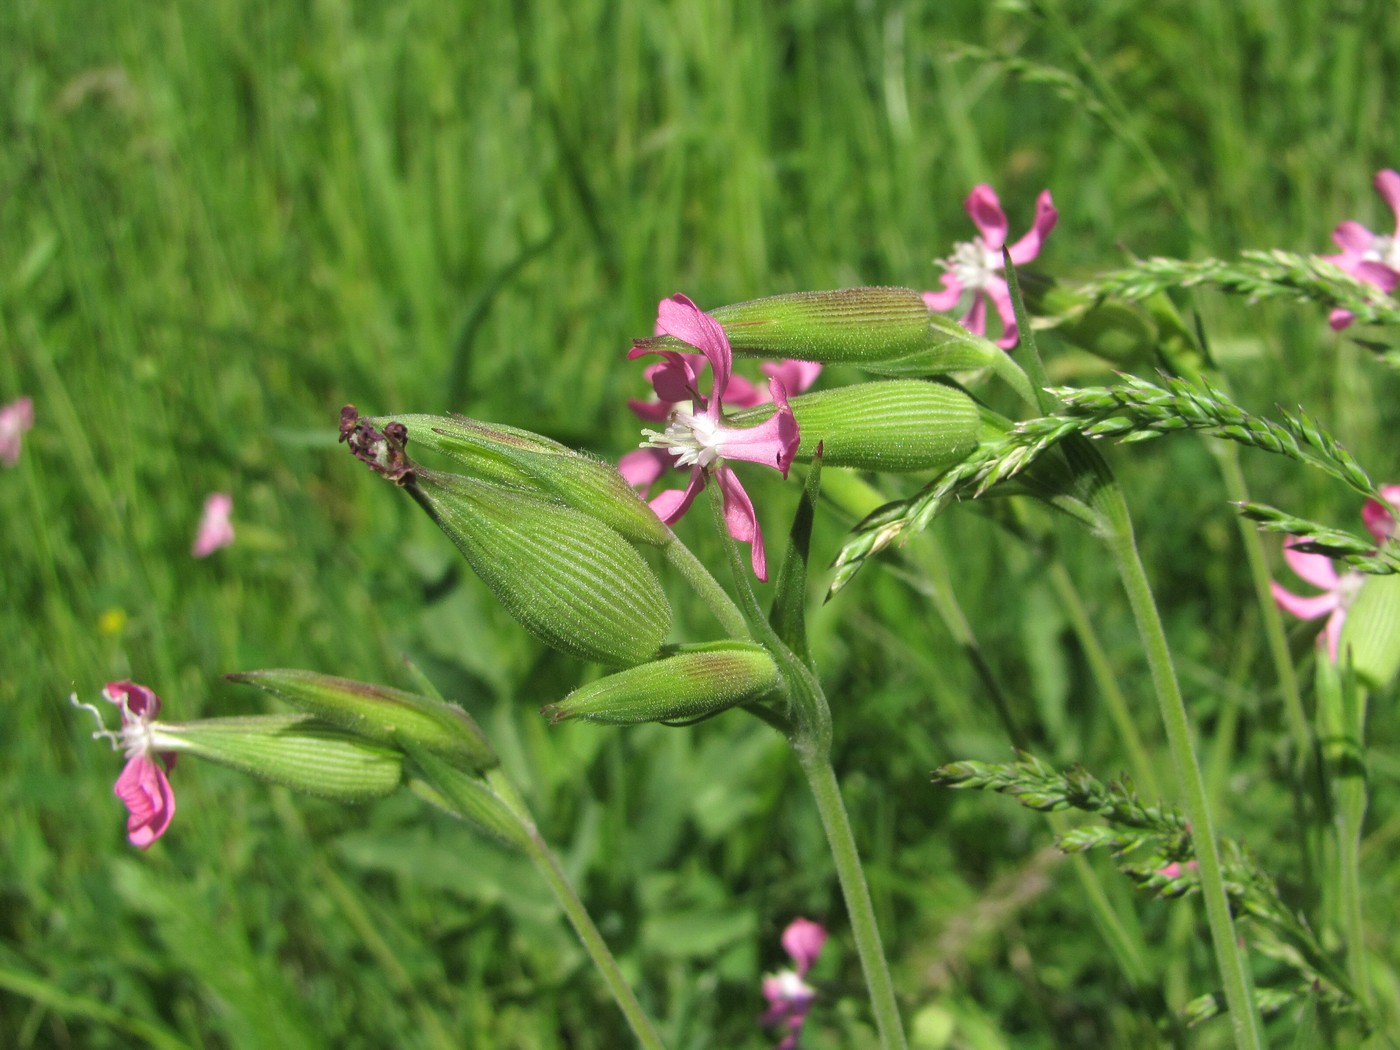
525 460
893 425
569 579
1371 633
298 751
375 712
896 425
697 682
885 330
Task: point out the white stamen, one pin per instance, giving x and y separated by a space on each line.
1384 250
973 264
693 440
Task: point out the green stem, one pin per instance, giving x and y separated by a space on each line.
707 587
1234 973
859 908
810 737
548 866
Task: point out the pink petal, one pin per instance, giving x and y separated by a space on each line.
740 521
145 790
1388 186
1304 608
1333 632
651 411
975 320
682 319
1000 295
675 379
803 940
772 443
743 394
1376 273
984 208
796 376
215 529
141 700
643 467
946 299
1353 238
1379 518
1317 569
1340 319
1028 247
15 419
670 506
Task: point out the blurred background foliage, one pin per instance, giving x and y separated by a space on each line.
221 221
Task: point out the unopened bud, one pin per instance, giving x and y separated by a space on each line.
376 712
569 579
698 682
896 425
503 454
886 330
1371 633
299 751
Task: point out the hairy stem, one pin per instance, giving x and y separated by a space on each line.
1234 972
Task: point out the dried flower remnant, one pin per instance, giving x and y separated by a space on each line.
215 528
699 438
15 419
143 785
1370 257
1339 590
977 266
381 451
789 996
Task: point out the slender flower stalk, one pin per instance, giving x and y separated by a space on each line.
1116 528
809 734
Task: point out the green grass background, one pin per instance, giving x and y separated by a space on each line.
221 221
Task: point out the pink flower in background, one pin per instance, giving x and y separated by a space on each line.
1380 518
143 786
698 437
789 996
1370 257
976 266
1339 590
15 418
215 529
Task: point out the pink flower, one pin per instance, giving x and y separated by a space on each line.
698 437
143 786
215 530
789 996
15 419
1339 590
977 266
1370 257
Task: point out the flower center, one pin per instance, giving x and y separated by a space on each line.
973 264
1349 586
1384 250
693 440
